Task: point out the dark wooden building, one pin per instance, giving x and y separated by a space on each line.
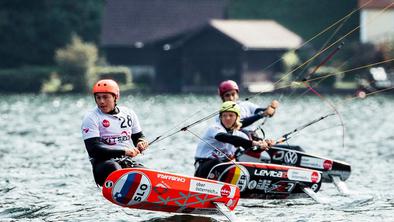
188 45
241 50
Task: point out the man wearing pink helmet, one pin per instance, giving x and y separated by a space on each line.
110 131
250 112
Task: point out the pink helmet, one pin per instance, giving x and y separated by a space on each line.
226 86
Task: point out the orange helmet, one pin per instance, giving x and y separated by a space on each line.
107 86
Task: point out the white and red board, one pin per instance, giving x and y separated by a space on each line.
148 189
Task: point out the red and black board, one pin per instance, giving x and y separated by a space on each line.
294 156
267 181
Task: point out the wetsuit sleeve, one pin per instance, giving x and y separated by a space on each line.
234 140
137 137
97 151
247 121
259 110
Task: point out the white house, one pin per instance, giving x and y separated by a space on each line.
376 21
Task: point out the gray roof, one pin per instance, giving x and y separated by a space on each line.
258 34
131 22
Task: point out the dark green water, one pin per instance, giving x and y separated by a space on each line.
46 175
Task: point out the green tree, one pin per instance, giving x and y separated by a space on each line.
32 30
76 62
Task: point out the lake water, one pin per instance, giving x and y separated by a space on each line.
46 176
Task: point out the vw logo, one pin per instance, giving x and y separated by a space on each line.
291 158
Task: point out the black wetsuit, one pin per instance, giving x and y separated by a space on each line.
247 121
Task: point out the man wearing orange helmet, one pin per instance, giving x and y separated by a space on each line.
110 131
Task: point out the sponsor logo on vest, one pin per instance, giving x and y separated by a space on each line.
171 177
109 140
106 123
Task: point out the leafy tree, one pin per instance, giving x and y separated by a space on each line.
32 30
76 62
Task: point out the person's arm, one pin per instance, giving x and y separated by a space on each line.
247 121
245 143
139 141
259 110
96 150
234 140
258 114
137 137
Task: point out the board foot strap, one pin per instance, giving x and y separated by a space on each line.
226 212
